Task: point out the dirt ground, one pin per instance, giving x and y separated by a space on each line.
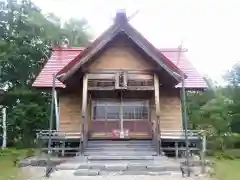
37 173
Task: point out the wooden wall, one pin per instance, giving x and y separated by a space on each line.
120 56
70 112
170 110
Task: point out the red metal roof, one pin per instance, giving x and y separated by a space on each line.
194 79
61 57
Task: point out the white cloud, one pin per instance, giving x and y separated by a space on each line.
209 29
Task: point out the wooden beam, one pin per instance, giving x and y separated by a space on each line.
140 88
117 75
84 95
101 76
156 93
101 88
157 105
113 71
125 79
84 108
133 76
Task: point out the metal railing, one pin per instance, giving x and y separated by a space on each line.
58 134
181 133
174 135
58 141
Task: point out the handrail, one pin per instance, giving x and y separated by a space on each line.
56 133
192 133
156 132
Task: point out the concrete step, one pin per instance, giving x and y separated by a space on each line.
120 141
119 166
119 145
104 158
120 153
147 173
120 148
86 172
90 172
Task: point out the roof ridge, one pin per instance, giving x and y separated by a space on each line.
68 48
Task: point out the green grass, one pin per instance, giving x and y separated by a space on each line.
7 169
228 169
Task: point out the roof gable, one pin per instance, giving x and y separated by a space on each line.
120 26
61 58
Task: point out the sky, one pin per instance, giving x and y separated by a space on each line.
209 29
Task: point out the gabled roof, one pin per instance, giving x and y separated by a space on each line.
61 57
121 25
194 80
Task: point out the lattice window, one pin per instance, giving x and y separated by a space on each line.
148 82
131 110
101 83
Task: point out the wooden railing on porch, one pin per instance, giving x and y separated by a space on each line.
59 140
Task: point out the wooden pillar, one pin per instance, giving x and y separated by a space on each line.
84 109
204 142
176 149
157 105
56 110
4 128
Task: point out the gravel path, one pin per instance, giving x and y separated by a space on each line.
37 173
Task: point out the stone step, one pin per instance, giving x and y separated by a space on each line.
121 148
86 172
119 141
91 172
120 153
119 166
119 145
103 158
148 173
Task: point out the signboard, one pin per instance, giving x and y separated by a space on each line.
119 133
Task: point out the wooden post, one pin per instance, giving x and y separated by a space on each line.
63 145
176 149
157 105
4 128
56 110
84 108
203 151
49 167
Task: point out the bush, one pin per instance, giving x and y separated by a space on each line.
29 153
228 154
223 155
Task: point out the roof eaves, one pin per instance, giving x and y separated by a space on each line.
175 72
89 54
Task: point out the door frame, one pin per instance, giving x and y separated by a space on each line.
121 120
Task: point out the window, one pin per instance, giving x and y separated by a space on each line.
135 110
111 110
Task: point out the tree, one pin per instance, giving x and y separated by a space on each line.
26 38
233 79
75 30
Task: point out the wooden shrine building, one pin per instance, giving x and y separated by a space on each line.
120 86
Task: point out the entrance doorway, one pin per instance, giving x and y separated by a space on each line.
120 119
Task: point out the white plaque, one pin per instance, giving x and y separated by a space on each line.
121 134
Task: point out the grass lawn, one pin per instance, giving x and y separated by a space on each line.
7 170
228 169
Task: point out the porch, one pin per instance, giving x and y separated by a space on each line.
120 105
171 143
